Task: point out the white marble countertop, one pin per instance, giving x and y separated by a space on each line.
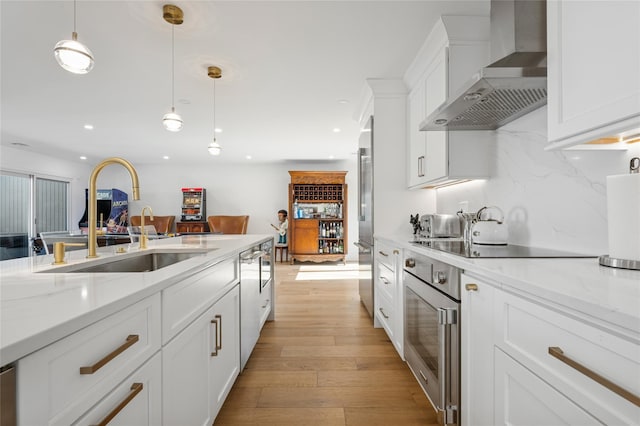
575 285
37 309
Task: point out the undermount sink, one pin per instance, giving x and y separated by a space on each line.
142 262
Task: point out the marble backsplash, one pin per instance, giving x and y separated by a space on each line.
549 199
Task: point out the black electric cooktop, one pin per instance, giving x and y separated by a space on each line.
464 249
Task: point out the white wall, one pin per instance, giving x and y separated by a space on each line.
259 190
550 199
30 163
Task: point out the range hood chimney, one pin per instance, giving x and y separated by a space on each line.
516 81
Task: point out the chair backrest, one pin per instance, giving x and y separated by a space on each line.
163 224
50 238
228 224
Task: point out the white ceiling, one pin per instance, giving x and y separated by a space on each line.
286 66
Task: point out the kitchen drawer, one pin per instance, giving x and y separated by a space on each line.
140 395
185 301
51 385
386 255
386 281
266 303
386 314
528 330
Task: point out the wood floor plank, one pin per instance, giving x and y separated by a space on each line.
282 417
321 362
309 364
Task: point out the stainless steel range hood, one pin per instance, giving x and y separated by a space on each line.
516 81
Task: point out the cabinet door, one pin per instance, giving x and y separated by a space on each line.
522 398
436 163
477 352
594 83
182 227
186 373
198 227
225 365
306 236
136 401
417 138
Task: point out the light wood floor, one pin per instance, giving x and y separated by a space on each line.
321 362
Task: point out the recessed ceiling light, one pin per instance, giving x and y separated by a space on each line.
165 157
82 157
343 101
88 126
336 130
217 130
248 157
331 157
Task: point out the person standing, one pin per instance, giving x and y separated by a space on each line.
282 229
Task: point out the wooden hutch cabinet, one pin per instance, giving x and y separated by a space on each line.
318 216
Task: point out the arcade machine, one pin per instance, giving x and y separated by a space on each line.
193 205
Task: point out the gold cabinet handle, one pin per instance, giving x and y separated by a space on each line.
131 339
215 345
383 314
136 388
383 253
471 287
219 344
556 352
396 252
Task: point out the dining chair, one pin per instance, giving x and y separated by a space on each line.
228 224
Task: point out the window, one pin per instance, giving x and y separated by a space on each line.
29 205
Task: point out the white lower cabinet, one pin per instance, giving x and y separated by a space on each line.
522 398
388 294
200 365
266 300
477 352
60 383
136 401
528 362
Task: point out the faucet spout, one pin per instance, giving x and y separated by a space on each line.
93 239
143 232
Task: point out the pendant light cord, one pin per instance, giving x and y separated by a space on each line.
173 66
214 109
74 16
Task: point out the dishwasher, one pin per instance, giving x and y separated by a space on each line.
250 287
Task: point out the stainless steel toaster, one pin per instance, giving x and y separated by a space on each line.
440 226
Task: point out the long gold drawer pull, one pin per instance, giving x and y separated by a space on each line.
136 388
131 339
383 253
215 345
558 353
471 287
219 347
383 314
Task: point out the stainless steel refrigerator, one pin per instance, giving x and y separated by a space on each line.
365 215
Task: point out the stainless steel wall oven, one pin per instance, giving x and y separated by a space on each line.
432 331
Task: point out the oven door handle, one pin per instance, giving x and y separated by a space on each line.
446 317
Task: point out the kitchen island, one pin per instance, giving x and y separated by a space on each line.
161 320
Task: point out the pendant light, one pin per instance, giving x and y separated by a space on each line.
173 15
215 73
72 55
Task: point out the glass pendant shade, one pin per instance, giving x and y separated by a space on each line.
74 56
172 121
214 148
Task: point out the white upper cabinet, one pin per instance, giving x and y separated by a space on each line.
593 71
456 48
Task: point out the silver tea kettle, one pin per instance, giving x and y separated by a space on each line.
489 231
